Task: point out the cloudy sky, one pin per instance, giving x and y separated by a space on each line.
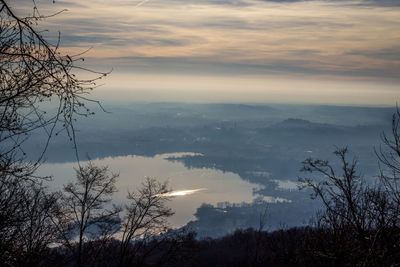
329 51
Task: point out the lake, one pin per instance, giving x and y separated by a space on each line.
192 187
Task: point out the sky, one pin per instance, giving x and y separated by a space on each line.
285 51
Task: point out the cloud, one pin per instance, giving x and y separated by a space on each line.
381 2
254 2
311 67
343 2
215 2
296 37
388 53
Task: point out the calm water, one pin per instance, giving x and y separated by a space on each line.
202 185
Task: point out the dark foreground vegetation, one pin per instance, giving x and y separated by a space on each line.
307 246
358 225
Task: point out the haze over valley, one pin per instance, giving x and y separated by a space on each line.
238 153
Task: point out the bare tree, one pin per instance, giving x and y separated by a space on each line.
36 232
145 219
39 93
27 228
389 158
11 215
340 193
361 216
35 75
87 207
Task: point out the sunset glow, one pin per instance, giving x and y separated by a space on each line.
354 45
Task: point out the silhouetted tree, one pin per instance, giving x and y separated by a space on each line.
36 232
389 157
145 220
360 217
27 223
85 204
39 93
35 75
